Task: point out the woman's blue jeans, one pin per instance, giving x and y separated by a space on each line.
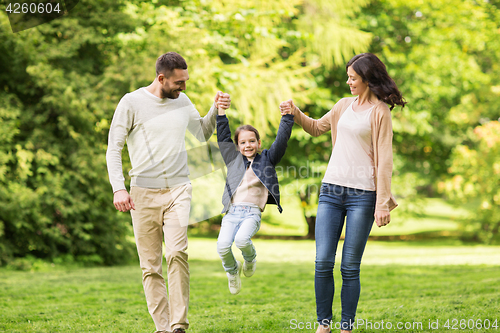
357 208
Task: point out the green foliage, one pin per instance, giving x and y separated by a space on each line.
475 175
53 180
261 52
444 58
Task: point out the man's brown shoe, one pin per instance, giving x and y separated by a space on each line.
179 330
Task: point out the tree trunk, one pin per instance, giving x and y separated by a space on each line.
311 224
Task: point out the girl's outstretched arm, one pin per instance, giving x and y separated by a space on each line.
315 127
226 144
279 145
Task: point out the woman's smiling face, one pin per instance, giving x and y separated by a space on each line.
355 82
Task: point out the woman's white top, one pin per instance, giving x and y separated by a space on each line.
351 163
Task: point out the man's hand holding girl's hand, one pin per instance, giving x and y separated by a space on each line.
222 102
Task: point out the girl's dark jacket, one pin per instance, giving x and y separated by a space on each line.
263 164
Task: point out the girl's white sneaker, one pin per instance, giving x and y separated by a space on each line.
249 267
235 280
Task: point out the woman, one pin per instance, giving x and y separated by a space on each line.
357 184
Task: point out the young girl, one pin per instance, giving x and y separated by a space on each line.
356 187
251 183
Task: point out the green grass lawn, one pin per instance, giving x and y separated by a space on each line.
412 283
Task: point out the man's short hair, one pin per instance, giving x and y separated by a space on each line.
166 63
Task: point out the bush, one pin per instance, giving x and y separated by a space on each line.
475 179
56 199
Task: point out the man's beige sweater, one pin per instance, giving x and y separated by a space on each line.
154 130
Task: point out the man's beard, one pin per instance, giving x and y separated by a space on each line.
172 94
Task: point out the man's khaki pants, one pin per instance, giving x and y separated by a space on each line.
160 213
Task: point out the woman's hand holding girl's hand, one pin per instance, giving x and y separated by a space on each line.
286 107
382 218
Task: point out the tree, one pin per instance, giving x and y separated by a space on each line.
475 177
444 56
53 176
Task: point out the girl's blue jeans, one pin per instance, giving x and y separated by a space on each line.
357 208
239 225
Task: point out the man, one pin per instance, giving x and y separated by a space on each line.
153 121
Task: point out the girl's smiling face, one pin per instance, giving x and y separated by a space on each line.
248 144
